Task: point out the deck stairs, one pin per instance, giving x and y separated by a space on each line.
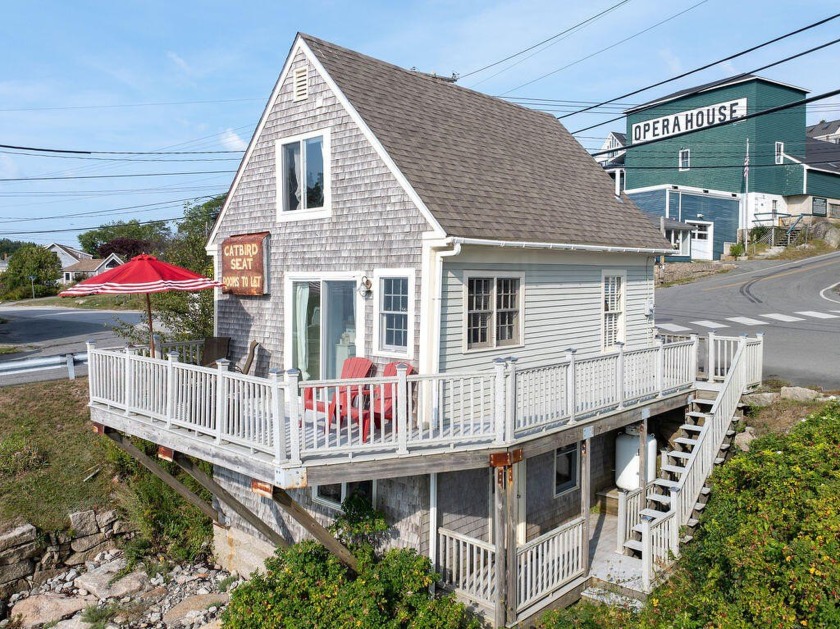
673 465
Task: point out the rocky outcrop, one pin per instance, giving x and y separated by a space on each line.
800 394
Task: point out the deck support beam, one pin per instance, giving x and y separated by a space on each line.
146 461
314 528
585 498
222 495
504 528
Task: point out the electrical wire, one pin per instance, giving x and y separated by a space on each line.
196 172
79 152
626 39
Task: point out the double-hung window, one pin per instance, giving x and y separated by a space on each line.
494 316
303 175
393 323
685 159
780 153
613 312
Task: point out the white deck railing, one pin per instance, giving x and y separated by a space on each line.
293 421
548 562
467 565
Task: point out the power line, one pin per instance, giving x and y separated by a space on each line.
756 114
79 229
737 76
576 27
124 159
119 210
196 172
626 39
77 152
184 102
709 65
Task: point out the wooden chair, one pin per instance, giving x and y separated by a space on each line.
215 348
382 407
352 368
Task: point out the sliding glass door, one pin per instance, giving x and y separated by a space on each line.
323 327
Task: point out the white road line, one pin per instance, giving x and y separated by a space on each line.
710 324
672 327
818 315
746 321
826 297
782 317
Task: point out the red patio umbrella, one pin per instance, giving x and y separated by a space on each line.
142 274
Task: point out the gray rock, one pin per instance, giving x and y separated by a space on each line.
744 439
99 581
832 238
799 394
84 523
15 571
105 518
761 399
19 553
44 576
81 544
193 606
18 536
85 556
47 608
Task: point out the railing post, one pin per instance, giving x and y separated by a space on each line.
278 423
711 368
129 377
402 409
71 366
677 521
660 366
172 358
511 393
221 397
499 401
759 359
742 366
695 353
571 394
622 521
647 552
619 375
158 344
92 375
295 417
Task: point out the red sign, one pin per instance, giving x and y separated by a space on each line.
244 262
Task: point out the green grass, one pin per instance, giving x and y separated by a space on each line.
93 302
9 349
48 449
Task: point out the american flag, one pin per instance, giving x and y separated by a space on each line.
747 165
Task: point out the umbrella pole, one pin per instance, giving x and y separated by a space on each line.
151 331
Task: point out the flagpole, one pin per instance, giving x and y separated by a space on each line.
746 192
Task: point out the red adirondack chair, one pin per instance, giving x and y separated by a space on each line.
354 367
382 407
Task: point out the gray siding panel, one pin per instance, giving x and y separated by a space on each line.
373 223
562 309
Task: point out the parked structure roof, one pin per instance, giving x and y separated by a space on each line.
823 155
486 168
823 127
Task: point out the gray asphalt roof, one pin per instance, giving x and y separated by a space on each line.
484 167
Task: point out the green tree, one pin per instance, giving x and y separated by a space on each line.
31 261
8 247
157 234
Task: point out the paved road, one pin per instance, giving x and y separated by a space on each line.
795 304
48 331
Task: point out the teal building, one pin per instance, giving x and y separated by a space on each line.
724 180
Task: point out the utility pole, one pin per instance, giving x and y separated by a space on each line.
32 280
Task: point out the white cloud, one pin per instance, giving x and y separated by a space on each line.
179 61
231 141
671 60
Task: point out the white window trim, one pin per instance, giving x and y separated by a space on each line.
288 307
622 324
779 153
495 276
687 161
683 238
337 507
303 215
576 486
378 276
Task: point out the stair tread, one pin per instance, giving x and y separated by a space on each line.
705 491
666 483
679 455
699 506
692 522
719 460
674 469
724 447
652 513
691 427
702 400
698 414
686 441
660 498
633 544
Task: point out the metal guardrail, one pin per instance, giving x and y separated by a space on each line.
28 365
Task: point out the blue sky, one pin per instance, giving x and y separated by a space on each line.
195 75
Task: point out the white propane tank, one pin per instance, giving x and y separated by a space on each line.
627 461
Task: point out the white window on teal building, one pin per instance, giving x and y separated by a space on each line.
685 159
780 151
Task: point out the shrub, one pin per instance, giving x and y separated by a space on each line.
306 586
736 250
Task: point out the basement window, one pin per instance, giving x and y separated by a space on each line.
566 469
334 494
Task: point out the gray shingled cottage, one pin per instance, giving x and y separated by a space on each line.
454 314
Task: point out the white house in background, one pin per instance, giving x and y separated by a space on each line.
88 267
613 160
827 131
470 265
68 256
